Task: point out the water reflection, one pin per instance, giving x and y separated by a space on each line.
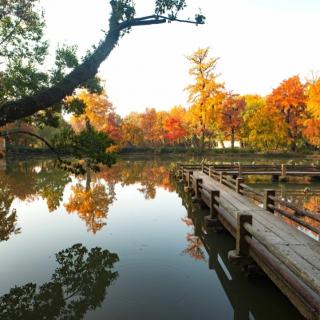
195 248
163 260
30 180
91 202
90 196
79 284
247 301
8 218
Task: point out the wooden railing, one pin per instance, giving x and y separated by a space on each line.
298 285
266 199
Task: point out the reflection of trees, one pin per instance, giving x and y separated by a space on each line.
78 285
91 202
29 180
33 179
195 248
8 218
150 174
91 205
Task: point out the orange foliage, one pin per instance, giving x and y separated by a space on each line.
91 205
290 99
100 112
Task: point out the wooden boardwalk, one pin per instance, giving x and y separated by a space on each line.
276 171
289 257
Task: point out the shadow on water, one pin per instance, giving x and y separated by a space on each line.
248 296
78 285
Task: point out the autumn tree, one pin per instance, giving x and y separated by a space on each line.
175 125
98 112
290 100
205 94
266 129
252 104
131 130
312 125
231 116
152 125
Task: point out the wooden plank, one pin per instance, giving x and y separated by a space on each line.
295 249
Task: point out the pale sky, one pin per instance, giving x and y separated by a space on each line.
259 42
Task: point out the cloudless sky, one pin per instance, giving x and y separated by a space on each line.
259 42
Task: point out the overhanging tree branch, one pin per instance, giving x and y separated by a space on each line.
18 131
27 106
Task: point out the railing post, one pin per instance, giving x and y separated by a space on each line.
180 171
188 186
267 200
189 178
283 170
202 166
242 248
239 180
197 191
209 171
212 222
213 202
221 177
184 173
239 170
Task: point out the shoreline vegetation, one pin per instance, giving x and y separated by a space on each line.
21 152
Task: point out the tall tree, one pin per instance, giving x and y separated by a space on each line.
205 94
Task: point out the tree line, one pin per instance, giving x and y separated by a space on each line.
286 119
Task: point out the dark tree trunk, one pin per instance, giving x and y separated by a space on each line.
232 134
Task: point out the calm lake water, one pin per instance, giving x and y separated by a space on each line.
121 244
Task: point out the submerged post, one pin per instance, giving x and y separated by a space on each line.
268 201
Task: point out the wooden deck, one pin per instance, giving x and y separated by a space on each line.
289 257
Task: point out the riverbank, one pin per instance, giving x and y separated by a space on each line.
176 153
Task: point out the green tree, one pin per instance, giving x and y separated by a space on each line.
122 20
